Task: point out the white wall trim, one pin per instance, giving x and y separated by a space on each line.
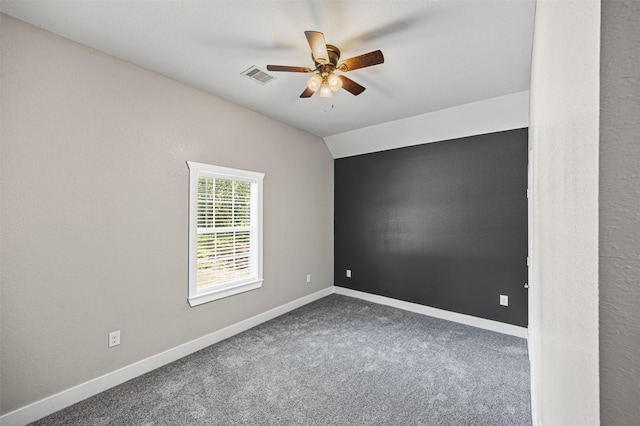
535 410
51 404
212 290
437 313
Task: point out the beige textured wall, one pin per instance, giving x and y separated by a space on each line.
563 134
94 211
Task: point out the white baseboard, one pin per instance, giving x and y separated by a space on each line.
499 327
535 421
51 404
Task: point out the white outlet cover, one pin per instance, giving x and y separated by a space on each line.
309 278
504 300
348 273
114 338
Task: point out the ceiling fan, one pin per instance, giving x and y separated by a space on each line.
326 58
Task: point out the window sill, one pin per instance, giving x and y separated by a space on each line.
220 293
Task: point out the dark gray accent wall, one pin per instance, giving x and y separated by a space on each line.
619 213
441 224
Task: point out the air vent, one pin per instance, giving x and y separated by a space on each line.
258 75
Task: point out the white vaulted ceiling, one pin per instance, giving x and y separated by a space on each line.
438 54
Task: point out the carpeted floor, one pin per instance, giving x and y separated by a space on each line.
337 361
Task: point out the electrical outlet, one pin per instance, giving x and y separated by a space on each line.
504 300
114 338
348 273
308 278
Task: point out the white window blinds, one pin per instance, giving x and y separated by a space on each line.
225 231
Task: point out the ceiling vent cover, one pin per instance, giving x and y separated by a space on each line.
258 75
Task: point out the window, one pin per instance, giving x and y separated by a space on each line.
225 232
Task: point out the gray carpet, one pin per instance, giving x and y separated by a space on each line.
337 361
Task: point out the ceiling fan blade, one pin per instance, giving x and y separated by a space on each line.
307 93
351 86
391 29
318 46
362 61
288 68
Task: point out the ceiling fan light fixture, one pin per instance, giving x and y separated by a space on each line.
327 60
335 83
314 82
325 91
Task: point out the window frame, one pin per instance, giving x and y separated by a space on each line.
219 291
